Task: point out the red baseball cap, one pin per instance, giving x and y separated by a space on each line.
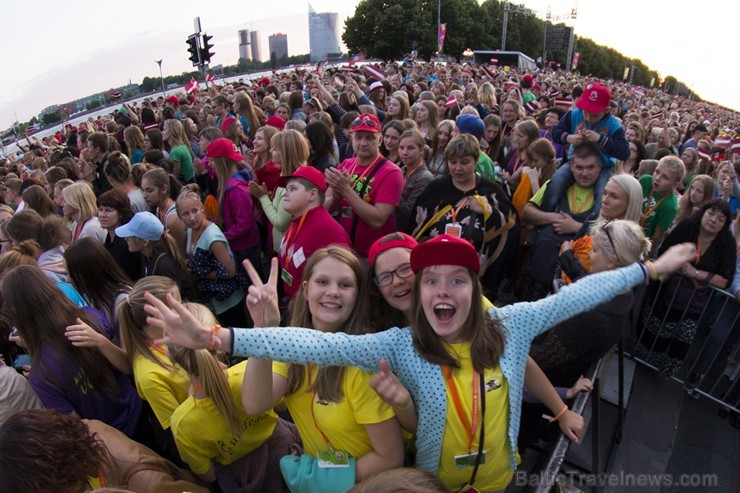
223 147
445 250
595 98
366 122
382 245
276 121
228 121
307 173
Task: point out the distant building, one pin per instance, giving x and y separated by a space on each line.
256 46
323 34
278 44
245 45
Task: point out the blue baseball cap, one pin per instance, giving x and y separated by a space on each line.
144 225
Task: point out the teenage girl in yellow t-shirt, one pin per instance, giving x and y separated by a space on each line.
213 432
334 408
163 384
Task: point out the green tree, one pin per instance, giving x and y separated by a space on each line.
51 118
386 29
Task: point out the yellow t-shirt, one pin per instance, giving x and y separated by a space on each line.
495 474
579 198
202 434
164 388
342 422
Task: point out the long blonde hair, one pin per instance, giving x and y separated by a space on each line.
132 317
293 149
328 382
203 365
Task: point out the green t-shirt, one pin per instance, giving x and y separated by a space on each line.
181 154
657 211
485 167
527 97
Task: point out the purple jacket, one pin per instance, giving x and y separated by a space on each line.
72 391
240 226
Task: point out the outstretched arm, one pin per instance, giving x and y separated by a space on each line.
538 384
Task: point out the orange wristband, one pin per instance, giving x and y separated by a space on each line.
558 415
215 340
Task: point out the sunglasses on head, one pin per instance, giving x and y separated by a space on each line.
365 121
605 229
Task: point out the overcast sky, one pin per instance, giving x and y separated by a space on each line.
64 51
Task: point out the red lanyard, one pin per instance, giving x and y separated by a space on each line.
157 348
78 230
286 239
573 200
194 241
163 213
101 477
454 211
362 175
309 370
651 209
470 428
518 163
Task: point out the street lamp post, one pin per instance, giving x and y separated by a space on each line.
161 78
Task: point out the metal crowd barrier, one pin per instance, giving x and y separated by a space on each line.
711 368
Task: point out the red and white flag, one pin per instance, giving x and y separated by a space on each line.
115 94
736 145
563 102
210 77
321 67
356 58
494 61
451 103
723 141
192 86
373 71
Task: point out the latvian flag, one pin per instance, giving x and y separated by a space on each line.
723 141
487 72
347 68
494 61
638 91
374 72
736 145
657 115
563 102
532 107
451 103
115 94
356 58
321 67
703 154
210 78
192 86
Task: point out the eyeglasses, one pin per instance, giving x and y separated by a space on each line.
605 229
386 278
366 121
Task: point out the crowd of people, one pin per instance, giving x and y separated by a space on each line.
347 280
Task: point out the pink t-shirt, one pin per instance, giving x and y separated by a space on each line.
300 241
385 187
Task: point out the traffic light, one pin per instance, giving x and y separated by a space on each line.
193 49
205 51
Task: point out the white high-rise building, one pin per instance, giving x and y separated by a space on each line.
256 46
323 34
245 45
